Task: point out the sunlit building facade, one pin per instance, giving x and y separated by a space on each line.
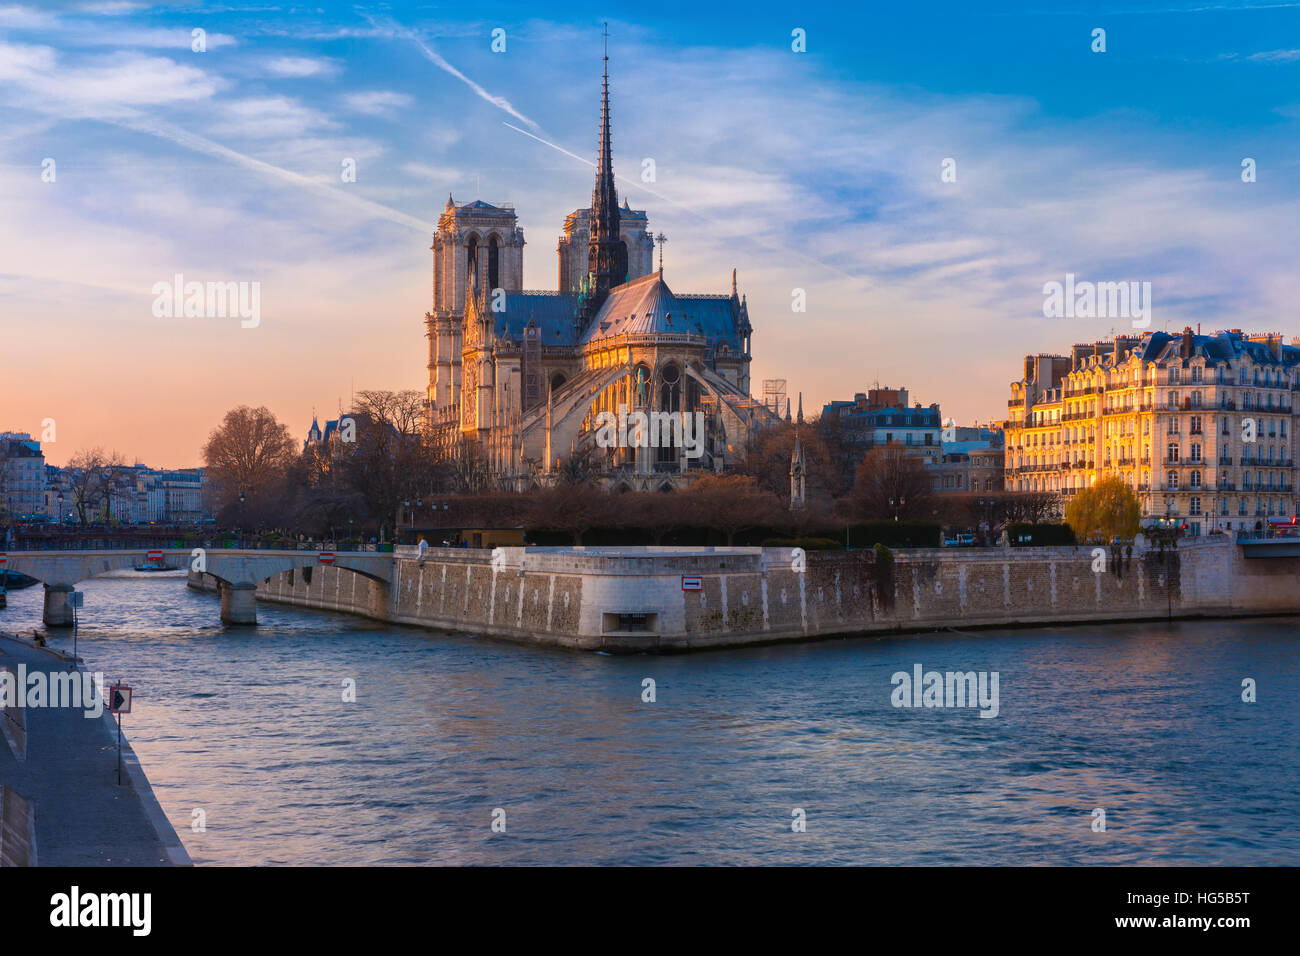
1199 426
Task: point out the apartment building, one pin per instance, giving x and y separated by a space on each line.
1200 426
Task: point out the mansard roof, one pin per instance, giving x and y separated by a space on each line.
1161 347
646 306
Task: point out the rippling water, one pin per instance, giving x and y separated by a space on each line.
1145 721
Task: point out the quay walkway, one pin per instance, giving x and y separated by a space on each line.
60 802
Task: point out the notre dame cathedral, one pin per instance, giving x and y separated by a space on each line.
520 376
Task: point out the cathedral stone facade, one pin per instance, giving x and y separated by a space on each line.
519 377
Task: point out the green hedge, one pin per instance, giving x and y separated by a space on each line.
895 534
1039 535
808 544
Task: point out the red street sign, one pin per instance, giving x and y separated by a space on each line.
119 699
692 583
155 555
326 557
3 557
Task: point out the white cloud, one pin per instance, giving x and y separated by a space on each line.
376 102
268 117
297 67
43 81
1276 56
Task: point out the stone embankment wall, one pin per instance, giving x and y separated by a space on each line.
633 599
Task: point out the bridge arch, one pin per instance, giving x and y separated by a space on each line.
237 573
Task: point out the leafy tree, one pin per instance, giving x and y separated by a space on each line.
1107 510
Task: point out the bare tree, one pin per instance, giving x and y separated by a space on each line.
575 508
92 475
1033 506
465 466
390 462
248 453
731 504
892 483
769 461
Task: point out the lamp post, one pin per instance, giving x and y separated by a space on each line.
242 499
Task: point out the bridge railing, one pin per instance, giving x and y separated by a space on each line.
1268 534
216 543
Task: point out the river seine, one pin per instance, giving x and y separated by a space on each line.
248 731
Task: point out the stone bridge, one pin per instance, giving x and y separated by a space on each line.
238 572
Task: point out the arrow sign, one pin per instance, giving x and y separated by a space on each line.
692 583
119 699
326 557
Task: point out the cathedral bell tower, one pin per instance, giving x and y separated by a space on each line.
477 246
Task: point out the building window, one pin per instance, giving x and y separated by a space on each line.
1194 507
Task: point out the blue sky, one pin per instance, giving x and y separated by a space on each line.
816 170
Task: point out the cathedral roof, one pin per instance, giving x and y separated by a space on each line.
646 306
551 312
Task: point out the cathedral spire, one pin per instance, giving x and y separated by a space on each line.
606 254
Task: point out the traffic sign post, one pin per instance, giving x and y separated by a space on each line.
119 703
75 599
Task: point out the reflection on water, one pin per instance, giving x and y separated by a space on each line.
249 725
